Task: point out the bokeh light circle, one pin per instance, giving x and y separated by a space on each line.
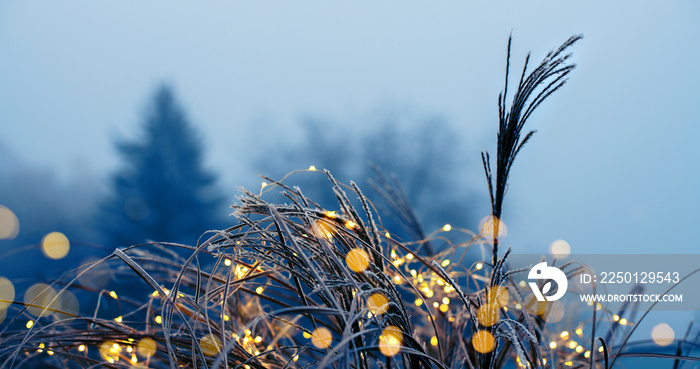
146 347
555 312
210 345
560 249
390 341
55 245
9 224
498 295
377 303
7 293
41 296
663 334
357 260
488 314
483 342
321 337
490 226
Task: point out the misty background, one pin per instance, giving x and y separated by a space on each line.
272 88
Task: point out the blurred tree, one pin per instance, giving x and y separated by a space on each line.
162 192
421 152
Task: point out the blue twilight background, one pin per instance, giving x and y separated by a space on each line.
612 169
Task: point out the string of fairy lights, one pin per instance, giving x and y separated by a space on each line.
43 301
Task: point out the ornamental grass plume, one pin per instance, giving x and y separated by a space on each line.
548 77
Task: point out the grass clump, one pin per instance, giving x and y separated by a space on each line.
295 285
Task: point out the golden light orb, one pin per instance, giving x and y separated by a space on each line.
663 334
390 341
321 338
483 342
357 260
9 224
377 303
55 245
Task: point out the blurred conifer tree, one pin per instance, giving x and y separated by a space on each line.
162 191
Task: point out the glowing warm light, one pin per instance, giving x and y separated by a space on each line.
552 345
418 302
377 303
498 295
227 262
560 249
312 168
623 321
483 342
573 344
479 266
7 293
535 307
9 224
390 341
444 308
321 338
579 332
81 348
409 256
41 296
564 335
434 341
259 290
663 334
55 245
210 345
30 323
118 319
146 347
488 314
587 354
445 300
445 263
357 260
350 224
159 319
113 295
569 363
323 229
490 226
616 317
258 339
110 351
579 349
446 227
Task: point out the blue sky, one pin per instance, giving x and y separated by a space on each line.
613 167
